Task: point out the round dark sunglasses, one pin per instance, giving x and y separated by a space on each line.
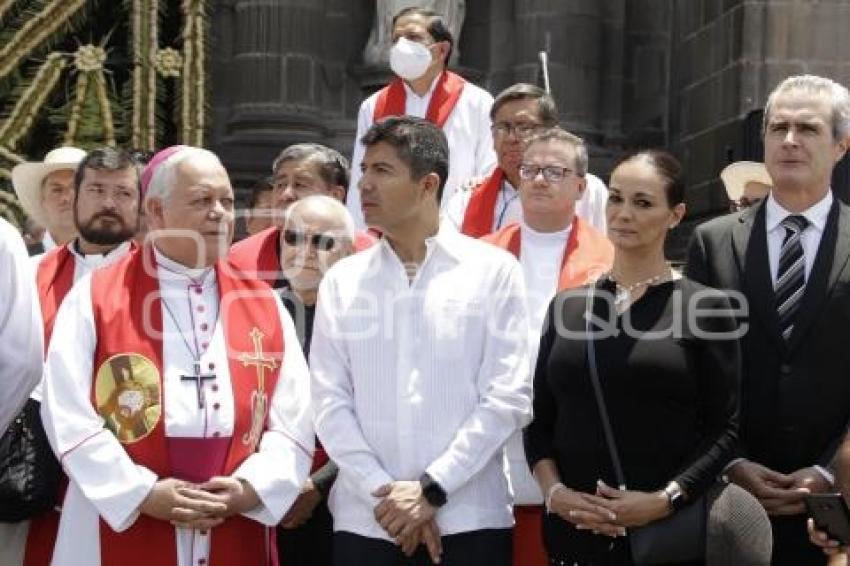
321 242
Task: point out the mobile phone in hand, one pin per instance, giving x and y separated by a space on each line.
831 515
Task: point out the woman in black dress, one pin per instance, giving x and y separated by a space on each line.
668 362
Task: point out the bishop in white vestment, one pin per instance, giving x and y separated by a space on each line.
183 398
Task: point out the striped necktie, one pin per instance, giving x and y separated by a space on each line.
791 275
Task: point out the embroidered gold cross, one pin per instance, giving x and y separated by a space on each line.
259 401
258 360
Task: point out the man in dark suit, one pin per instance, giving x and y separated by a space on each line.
788 258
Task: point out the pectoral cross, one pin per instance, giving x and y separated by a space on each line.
199 379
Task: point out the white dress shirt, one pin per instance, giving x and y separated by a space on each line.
429 375
467 130
21 331
809 239
105 481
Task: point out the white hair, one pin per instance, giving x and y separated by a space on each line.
163 179
324 204
836 94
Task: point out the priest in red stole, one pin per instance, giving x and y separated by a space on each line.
176 398
423 87
557 250
106 216
301 170
493 202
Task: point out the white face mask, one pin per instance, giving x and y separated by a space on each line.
408 59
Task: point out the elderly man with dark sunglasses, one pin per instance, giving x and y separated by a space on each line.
317 232
301 170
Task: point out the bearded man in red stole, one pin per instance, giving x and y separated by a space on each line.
423 87
177 397
557 250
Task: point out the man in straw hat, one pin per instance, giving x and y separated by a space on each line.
747 183
177 397
46 191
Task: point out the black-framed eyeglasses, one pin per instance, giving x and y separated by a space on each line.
321 242
505 129
552 173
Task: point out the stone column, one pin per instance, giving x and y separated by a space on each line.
268 89
573 32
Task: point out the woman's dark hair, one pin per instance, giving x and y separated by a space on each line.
668 167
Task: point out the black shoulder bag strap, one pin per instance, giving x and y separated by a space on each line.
597 390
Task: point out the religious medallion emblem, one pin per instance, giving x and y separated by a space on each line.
128 396
259 399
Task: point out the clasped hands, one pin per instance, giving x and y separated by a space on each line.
408 518
779 494
199 506
609 511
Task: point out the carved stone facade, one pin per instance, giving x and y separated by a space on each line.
688 75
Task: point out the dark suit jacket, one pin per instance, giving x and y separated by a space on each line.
795 398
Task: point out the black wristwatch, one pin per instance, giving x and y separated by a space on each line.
432 491
675 496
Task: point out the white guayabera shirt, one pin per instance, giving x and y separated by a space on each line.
423 375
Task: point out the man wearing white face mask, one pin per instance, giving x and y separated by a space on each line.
425 88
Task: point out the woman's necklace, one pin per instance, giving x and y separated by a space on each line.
623 293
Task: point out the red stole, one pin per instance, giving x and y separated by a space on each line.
588 253
54 278
478 218
259 255
392 99
126 306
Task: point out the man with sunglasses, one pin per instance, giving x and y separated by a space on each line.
424 87
420 370
301 170
557 250
518 113
317 232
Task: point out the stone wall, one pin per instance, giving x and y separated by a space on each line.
689 75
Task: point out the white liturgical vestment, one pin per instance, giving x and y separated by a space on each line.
467 131
105 482
20 325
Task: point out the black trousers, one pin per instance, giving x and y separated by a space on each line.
311 543
488 547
